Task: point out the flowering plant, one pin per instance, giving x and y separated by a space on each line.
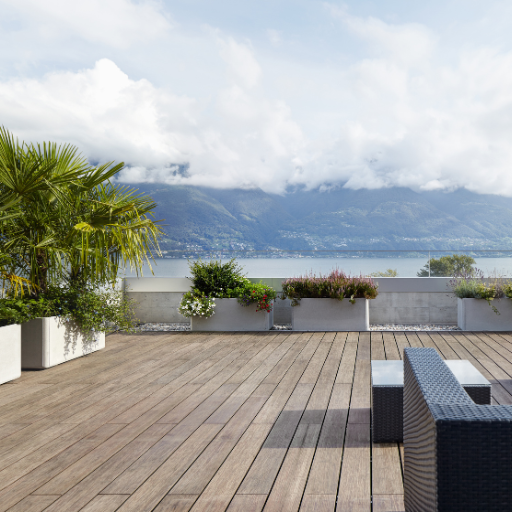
259 294
336 285
196 303
477 287
215 279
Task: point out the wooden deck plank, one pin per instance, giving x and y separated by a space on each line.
176 504
325 469
386 470
377 347
318 503
105 503
274 421
33 504
247 503
401 342
390 346
291 480
221 489
355 482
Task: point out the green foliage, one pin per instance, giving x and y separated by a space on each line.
92 310
336 285
507 289
449 266
197 303
62 219
18 310
473 288
217 279
256 293
390 272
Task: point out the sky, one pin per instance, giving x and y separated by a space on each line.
279 94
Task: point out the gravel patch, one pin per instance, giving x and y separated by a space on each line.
421 327
185 326
154 327
284 327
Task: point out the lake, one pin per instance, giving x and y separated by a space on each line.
289 267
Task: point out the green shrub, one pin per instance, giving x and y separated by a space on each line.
336 285
256 293
92 310
477 288
215 279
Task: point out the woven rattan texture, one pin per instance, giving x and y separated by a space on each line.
481 395
387 414
457 454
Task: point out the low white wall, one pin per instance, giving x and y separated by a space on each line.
401 300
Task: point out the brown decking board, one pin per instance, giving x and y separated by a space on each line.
181 422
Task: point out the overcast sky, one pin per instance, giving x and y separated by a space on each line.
274 94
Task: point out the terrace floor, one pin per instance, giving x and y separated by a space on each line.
276 421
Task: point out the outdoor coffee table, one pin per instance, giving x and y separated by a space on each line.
388 390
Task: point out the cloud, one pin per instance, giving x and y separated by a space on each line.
242 66
409 43
117 23
403 110
235 139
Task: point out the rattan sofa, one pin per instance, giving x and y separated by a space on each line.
457 455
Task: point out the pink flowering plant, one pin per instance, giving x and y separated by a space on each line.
336 285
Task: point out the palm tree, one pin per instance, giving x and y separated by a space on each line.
61 218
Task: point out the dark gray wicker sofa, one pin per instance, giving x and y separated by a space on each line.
457 455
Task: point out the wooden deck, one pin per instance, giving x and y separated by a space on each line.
164 422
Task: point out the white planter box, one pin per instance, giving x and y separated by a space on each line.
231 316
330 315
477 315
10 353
46 342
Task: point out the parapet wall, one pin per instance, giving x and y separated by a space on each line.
401 300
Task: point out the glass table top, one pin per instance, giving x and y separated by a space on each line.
391 373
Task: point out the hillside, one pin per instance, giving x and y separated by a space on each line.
395 218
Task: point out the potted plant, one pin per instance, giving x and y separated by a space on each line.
69 229
67 323
319 305
223 299
10 342
481 304
12 315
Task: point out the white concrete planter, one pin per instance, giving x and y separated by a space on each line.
47 342
477 315
231 316
330 315
10 353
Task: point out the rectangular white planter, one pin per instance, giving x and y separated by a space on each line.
231 316
47 342
330 315
477 315
10 353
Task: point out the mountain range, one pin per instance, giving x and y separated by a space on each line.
198 218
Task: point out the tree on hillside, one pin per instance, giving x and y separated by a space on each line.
449 266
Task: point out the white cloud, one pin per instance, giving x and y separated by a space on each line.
118 23
398 112
233 140
242 66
